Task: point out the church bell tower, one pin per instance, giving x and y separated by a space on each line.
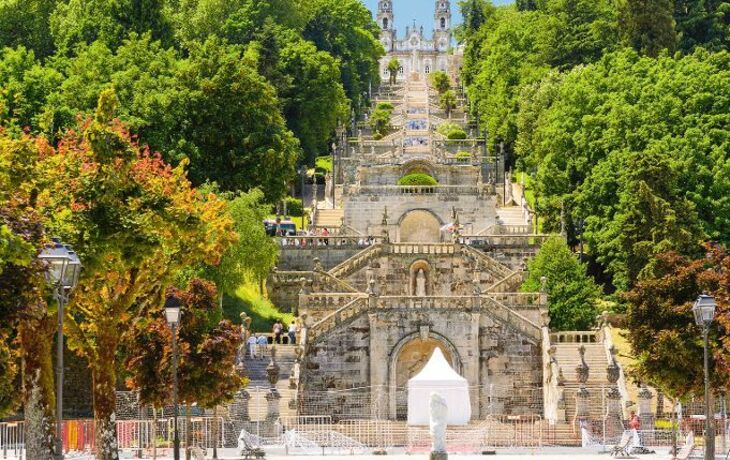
442 25
386 23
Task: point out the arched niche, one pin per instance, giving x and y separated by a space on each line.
420 226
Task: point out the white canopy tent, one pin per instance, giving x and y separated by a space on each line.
438 377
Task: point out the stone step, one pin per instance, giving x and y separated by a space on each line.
329 217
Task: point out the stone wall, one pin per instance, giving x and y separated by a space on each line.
365 212
503 369
291 259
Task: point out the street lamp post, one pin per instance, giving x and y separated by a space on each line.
172 315
62 274
704 312
303 174
334 175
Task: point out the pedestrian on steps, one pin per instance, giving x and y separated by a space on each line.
278 329
293 333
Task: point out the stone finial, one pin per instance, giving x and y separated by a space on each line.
613 370
272 370
302 286
385 216
343 227
645 393
371 288
545 318
582 370
317 265
543 284
245 323
299 352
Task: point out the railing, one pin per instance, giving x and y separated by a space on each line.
336 283
517 300
574 337
329 301
290 277
501 271
488 240
518 322
431 302
329 322
421 248
327 242
394 190
508 284
357 261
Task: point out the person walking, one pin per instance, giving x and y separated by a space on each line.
262 342
252 343
293 333
278 329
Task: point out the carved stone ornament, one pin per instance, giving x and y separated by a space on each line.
272 370
582 371
614 371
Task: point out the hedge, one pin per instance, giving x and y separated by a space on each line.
417 179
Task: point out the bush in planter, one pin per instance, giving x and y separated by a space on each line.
294 206
463 157
416 179
456 134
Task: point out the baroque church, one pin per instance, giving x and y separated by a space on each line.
415 51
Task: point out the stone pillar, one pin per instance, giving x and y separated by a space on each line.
582 396
380 404
614 413
239 408
645 413
273 396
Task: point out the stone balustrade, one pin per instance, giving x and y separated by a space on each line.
514 240
329 301
508 284
395 190
430 302
357 261
290 277
575 337
518 300
422 248
327 242
500 270
348 311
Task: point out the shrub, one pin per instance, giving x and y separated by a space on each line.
384 106
463 156
417 179
456 134
444 128
323 163
294 206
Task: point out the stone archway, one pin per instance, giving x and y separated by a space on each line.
420 226
408 358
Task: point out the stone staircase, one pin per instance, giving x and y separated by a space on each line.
259 384
568 358
328 218
511 216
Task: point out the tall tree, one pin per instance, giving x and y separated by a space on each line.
27 23
702 23
135 222
664 338
648 25
571 292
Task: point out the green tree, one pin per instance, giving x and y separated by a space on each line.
440 82
648 25
393 69
448 102
135 222
86 21
346 29
572 294
702 23
315 100
27 23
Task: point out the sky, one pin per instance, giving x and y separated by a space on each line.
406 11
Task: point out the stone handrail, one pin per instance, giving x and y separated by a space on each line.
393 190
356 262
362 304
500 270
514 300
349 311
290 277
326 242
513 240
513 319
340 285
575 337
509 283
421 248
329 301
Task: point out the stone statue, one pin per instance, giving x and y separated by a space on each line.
421 283
439 416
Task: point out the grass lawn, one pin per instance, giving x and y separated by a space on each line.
296 220
258 307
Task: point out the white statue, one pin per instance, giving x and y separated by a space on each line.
439 415
421 283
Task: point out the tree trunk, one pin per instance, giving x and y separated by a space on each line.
215 431
154 433
39 399
103 372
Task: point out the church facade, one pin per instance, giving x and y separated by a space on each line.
416 52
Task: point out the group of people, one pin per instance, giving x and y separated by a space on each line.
258 343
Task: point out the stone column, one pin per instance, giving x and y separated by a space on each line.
582 396
239 408
645 413
614 413
273 396
380 405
